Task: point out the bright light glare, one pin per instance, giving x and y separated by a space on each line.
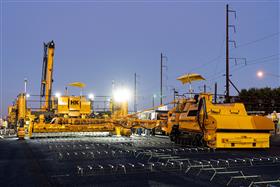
27 95
91 96
260 74
121 95
57 94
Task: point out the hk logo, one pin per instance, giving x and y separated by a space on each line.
75 103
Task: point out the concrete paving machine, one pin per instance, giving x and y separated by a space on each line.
66 115
198 121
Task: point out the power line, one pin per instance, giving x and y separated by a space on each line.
258 40
216 59
273 59
254 60
239 68
221 53
265 61
257 59
207 63
261 58
238 46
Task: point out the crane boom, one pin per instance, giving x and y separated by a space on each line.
47 76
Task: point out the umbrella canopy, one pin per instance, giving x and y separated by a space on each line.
77 84
190 77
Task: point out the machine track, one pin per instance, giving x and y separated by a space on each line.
190 138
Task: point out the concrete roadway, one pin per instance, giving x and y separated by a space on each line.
18 167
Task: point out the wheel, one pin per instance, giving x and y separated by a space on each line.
174 133
203 142
172 138
196 140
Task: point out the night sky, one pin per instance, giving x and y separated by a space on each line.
97 42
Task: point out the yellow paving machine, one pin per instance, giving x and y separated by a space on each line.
198 121
64 115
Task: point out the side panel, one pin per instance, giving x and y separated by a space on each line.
85 106
74 103
241 140
62 107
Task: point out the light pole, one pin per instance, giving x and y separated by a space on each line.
91 98
154 96
25 85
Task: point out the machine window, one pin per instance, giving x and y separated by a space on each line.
192 113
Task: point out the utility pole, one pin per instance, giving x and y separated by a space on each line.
216 90
135 92
161 66
228 82
161 75
227 57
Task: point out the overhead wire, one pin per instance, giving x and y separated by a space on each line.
264 59
258 40
216 59
218 75
210 61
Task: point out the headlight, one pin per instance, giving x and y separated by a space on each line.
57 94
121 95
91 96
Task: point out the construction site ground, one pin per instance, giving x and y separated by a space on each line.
132 161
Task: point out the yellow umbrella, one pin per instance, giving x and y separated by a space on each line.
77 84
190 77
